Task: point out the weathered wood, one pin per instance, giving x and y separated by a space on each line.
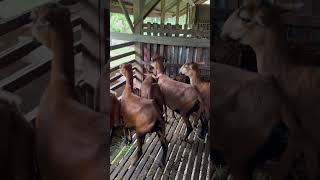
122 56
178 12
172 151
202 32
27 74
124 10
161 40
163 11
118 46
146 10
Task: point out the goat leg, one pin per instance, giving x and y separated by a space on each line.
165 113
164 145
173 115
189 126
140 140
204 127
127 136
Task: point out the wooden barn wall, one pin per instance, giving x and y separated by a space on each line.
94 37
91 57
175 55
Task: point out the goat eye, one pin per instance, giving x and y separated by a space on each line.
246 20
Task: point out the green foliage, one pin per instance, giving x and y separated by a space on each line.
118 22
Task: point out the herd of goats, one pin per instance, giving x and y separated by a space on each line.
269 118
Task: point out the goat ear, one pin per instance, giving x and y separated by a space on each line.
262 17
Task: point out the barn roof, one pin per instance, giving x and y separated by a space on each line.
169 4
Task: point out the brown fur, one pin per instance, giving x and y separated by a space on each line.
178 96
17 138
71 138
246 107
151 90
298 79
191 70
142 114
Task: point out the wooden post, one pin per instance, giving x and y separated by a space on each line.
163 11
178 12
124 10
138 29
187 14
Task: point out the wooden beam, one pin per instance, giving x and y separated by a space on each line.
124 10
171 5
173 41
138 27
146 10
178 12
190 2
187 15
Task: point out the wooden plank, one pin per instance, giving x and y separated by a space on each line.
118 46
181 170
133 156
22 49
171 5
198 160
123 164
178 12
15 22
198 55
156 159
122 55
118 85
145 158
205 163
191 161
146 10
175 41
31 116
16 53
178 158
172 150
114 78
27 74
125 12
163 12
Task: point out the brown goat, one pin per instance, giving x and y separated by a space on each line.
251 123
151 90
142 114
180 97
180 78
101 104
71 139
17 139
259 25
192 71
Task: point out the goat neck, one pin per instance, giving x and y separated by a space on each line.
195 78
62 67
129 85
273 53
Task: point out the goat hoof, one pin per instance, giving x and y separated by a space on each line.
161 164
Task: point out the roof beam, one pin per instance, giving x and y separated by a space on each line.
124 10
146 10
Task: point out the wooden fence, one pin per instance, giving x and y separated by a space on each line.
176 50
